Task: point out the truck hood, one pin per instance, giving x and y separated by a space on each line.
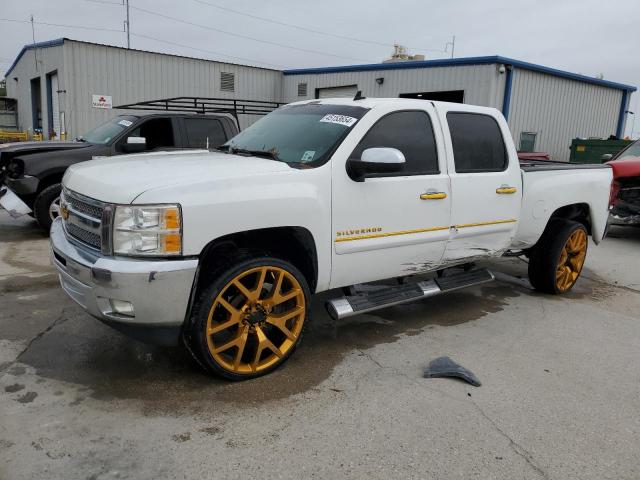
123 178
628 167
24 148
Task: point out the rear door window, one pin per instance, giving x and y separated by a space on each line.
410 132
204 132
477 141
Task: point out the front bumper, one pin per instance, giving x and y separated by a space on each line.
25 185
159 290
12 203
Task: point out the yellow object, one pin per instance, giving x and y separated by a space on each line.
484 224
171 219
581 148
391 234
421 230
10 136
507 190
263 307
433 196
172 243
571 260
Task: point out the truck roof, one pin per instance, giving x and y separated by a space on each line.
401 102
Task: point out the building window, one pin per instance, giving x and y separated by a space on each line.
227 82
302 89
527 142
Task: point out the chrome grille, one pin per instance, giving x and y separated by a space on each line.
84 207
92 239
84 220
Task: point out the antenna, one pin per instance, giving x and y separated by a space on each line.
33 36
358 96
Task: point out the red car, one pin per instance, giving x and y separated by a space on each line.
625 189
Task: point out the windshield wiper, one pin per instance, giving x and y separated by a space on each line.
255 153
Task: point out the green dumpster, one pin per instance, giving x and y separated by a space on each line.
592 150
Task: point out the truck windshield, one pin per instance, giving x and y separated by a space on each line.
298 134
103 134
631 153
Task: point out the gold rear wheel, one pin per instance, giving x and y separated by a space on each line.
256 320
571 260
556 261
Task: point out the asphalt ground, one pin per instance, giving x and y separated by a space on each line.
560 394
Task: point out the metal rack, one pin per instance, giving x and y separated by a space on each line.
204 105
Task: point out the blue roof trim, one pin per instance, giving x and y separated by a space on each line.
26 48
621 115
451 62
506 99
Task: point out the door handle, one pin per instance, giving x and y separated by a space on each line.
506 189
433 196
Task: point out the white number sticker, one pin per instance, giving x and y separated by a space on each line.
339 119
125 123
308 156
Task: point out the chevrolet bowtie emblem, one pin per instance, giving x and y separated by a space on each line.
64 212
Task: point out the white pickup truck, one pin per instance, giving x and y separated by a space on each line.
223 249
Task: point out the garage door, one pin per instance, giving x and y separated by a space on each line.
55 105
338 92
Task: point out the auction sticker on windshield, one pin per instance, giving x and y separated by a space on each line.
339 119
125 123
308 156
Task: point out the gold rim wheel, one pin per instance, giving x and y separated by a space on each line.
256 320
571 260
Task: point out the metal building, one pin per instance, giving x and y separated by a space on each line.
65 87
545 108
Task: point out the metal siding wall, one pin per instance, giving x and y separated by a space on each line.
131 76
481 83
559 110
49 60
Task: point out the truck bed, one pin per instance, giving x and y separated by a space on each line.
548 186
546 165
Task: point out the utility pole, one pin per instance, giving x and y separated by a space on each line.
33 37
453 46
127 25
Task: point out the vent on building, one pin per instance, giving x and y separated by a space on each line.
302 89
227 82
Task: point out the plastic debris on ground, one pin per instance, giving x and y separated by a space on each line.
445 367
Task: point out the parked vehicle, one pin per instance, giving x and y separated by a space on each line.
226 251
33 170
533 156
625 190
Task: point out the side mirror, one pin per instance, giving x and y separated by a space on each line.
376 160
135 145
606 157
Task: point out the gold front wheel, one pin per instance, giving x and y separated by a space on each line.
251 319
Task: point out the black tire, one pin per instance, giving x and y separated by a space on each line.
195 337
544 258
43 204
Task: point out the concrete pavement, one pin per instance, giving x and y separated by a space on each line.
560 395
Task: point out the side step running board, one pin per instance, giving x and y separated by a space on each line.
383 297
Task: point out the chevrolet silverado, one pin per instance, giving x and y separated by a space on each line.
225 251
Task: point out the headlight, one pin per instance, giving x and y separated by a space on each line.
152 230
15 168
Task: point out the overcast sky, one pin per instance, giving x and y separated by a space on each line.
582 36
